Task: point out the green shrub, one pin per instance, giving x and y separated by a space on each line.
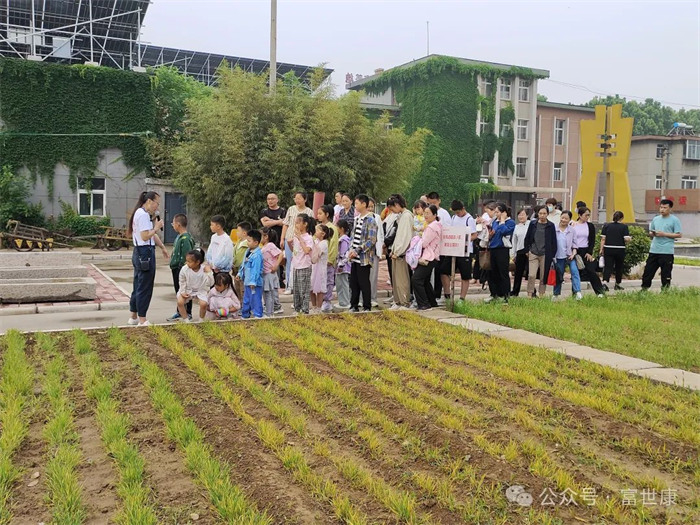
637 248
73 224
14 192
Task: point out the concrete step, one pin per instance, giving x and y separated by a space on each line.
43 272
47 290
12 259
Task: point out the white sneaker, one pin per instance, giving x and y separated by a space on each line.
489 299
279 310
375 304
601 295
578 296
395 307
440 302
287 291
145 323
132 322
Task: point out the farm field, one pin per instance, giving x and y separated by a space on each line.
659 327
364 419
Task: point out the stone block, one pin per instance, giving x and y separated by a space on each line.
68 307
41 272
12 259
47 290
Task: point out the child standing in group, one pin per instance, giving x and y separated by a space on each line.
251 275
301 262
222 302
342 278
220 252
195 281
239 253
319 261
272 258
183 244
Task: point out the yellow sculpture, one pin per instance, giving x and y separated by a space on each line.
605 149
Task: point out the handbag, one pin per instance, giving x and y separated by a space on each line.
552 276
511 265
507 241
579 262
601 262
484 259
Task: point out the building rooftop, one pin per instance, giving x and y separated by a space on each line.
559 105
358 83
664 138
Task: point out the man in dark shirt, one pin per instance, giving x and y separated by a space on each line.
273 216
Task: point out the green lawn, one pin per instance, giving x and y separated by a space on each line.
686 261
659 327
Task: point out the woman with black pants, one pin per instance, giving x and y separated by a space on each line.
613 241
502 226
429 260
143 233
584 241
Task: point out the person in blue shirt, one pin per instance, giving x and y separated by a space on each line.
501 233
664 228
251 274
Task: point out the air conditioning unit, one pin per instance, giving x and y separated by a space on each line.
484 180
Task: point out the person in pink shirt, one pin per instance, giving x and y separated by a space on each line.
301 261
272 258
429 259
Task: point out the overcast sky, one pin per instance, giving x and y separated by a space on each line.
632 48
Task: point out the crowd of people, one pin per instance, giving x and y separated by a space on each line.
338 249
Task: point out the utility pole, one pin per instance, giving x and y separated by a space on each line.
273 46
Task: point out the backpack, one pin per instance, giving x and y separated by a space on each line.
415 250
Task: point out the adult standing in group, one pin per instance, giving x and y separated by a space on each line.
444 216
429 260
664 228
288 234
565 256
553 213
463 219
401 280
364 239
613 243
518 253
379 249
143 232
584 241
502 226
325 216
338 206
541 246
273 217
347 211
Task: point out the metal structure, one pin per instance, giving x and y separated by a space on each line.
106 33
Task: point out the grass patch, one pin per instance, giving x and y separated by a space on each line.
687 261
659 327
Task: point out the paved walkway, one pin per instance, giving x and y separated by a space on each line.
639 367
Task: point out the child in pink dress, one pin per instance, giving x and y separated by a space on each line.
319 262
222 302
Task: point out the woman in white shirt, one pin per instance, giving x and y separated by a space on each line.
143 233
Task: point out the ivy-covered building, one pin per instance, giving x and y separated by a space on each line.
482 116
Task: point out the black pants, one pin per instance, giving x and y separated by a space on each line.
521 264
422 288
388 265
176 284
614 261
590 274
654 262
499 278
144 278
437 281
359 282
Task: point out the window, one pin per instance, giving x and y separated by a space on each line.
657 182
521 168
388 126
688 182
484 127
486 88
692 150
91 196
505 128
524 91
522 128
557 176
559 132
485 169
660 151
505 89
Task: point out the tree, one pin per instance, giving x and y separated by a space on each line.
14 194
650 116
241 143
541 98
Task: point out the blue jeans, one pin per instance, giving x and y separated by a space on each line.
252 301
143 279
575 278
288 267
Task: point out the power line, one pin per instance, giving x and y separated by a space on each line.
584 88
